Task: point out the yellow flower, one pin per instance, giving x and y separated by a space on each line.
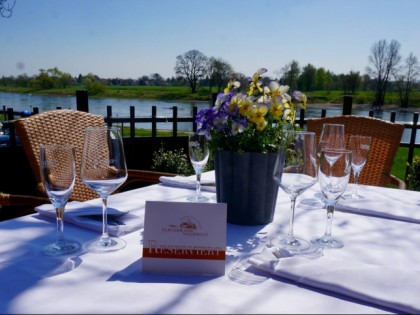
277 89
289 112
258 112
261 125
232 85
245 106
276 107
256 82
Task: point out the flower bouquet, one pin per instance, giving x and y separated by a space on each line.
251 121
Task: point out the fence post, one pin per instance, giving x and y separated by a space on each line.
302 118
347 104
175 121
393 116
194 115
132 124
154 133
82 101
412 143
12 132
109 116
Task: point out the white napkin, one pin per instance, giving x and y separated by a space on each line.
88 214
395 288
394 204
208 182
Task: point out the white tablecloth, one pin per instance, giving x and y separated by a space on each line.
114 283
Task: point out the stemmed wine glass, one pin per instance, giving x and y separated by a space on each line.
58 171
103 170
199 154
332 136
295 171
360 147
333 180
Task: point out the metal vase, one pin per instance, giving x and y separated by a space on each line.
245 182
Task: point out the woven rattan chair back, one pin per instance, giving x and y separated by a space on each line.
386 138
60 126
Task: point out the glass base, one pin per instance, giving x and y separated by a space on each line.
353 196
69 247
197 198
291 244
105 245
327 242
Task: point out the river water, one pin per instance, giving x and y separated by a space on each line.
143 108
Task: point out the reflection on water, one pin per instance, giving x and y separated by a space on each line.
143 108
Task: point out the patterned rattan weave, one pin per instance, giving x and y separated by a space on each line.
62 126
386 138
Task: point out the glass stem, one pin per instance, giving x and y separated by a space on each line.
198 185
330 214
292 218
356 180
60 226
105 235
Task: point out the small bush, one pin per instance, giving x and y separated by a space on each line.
413 178
175 161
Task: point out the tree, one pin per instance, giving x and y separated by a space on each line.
289 75
384 58
322 77
405 77
220 72
192 66
157 79
350 82
307 80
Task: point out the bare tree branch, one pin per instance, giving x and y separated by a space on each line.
6 7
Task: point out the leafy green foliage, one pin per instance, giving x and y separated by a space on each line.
169 161
176 161
413 178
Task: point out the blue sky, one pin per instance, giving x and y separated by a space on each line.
131 38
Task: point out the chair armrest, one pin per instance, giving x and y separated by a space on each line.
141 178
398 182
22 200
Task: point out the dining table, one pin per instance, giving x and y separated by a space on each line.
377 270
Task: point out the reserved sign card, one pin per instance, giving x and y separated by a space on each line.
184 237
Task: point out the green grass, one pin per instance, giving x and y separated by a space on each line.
141 132
400 162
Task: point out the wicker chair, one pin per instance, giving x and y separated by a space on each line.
386 138
66 127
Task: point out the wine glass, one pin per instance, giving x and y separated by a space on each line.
333 180
58 171
360 147
295 171
103 170
332 136
198 151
